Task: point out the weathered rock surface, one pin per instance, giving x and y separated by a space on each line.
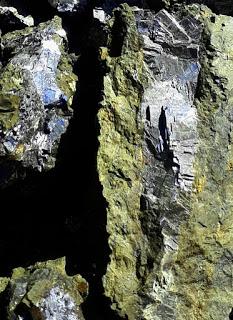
171 47
169 203
218 6
203 265
36 90
68 5
120 159
43 292
171 52
165 158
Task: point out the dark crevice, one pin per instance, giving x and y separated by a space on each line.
62 212
118 35
24 312
164 152
39 10
231 315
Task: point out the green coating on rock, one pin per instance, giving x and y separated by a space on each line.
66 79
3 283
194 281
119 163
10 86
31 287
203 269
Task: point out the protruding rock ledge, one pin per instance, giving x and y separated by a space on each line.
43 292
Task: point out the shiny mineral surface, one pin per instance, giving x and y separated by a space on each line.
36 110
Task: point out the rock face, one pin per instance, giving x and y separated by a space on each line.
168 207
165 153
44 292
36 90
120 158
171 50
205 254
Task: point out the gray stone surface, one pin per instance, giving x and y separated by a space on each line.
35 101
45 292
171 54
171 49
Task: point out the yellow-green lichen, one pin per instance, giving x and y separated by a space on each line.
3 283
66 79
120 162
10 86
203 268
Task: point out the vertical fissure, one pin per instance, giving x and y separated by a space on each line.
62 212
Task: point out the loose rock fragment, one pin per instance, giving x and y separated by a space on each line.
45 292
36 90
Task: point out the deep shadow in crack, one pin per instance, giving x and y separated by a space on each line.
88 250
62 212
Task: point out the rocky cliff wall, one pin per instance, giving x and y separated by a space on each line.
151 228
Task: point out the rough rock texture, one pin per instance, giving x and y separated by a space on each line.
219 6
204 262
43 292
171 52
165 159
120 158
169 211
36 90
68 5
171 47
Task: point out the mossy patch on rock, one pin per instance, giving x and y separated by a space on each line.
66 79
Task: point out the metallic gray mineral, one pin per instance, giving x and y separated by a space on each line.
35 94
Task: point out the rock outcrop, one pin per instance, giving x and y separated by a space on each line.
120 159
165 154
168 207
